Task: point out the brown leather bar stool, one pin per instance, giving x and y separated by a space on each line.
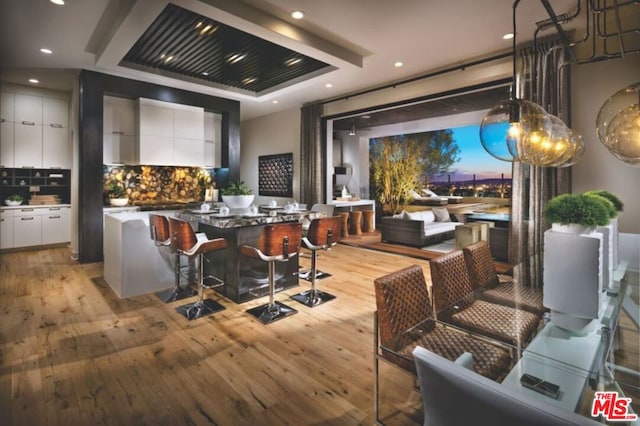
323 234
355 218
277 243
345 224
368 221
186 243
159 227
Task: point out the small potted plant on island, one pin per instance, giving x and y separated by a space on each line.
117 195
237 195
14 200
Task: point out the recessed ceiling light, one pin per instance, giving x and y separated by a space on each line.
236 57
328 85
297 14
34 81
248 80
275 101
507 36
58 2
398 64
292 61
205 73
365 116
47 51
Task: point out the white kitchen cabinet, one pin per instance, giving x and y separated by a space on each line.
56 225
55 112
170 134
56 153
6 106
156 150
188 123
27 109
27 228
27 145
6 228
37 120
212 137
188 152
6 144
119 134
118 148
34 226
155 120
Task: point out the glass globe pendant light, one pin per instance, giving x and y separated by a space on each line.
618 124
577 150
515 129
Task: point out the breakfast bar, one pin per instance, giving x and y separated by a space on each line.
244 278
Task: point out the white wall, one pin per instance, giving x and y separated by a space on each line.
277 133
592 85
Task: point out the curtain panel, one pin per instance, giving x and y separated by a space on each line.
312 148
542 77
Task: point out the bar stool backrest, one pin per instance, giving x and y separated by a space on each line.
182 236
159 227
482 270
325 231
281 239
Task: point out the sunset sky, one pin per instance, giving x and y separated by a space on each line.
473 157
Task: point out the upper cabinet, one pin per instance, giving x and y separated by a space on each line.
35 131
119 130
170 134
212 138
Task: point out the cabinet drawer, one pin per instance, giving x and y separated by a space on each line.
27 230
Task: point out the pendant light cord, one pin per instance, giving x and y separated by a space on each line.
513 87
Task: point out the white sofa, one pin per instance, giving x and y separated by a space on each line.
418 229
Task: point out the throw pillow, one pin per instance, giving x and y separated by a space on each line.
426 216
442 214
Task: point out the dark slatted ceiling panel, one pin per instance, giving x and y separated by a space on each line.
184 43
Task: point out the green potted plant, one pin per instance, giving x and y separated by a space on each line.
237 195
576 213
613 198
14 200
117 194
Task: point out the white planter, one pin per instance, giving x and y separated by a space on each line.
572 278
238 201
118 202
572 228
12 203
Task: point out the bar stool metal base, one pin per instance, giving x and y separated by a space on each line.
268 313
313 299
200 309
306 275
175 293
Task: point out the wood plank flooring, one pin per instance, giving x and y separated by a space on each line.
73 353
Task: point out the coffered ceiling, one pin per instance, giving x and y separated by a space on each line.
343 45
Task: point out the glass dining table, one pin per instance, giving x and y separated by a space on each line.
586 372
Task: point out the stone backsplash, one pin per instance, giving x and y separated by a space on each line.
146 184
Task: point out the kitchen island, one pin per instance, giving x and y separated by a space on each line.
245 278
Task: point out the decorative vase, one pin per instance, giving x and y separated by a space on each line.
572 228
238 201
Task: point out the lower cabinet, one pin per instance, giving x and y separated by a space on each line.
56 225
6 229
33 226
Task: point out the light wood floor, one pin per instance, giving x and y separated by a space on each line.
72 353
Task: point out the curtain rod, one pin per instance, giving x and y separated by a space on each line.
460 67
